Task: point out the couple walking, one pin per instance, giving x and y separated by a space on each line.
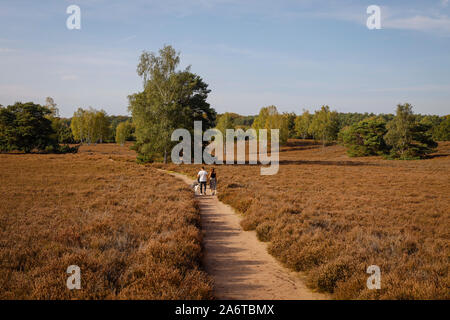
203 177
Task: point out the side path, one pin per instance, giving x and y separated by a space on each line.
240 264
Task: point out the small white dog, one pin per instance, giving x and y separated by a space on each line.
196 187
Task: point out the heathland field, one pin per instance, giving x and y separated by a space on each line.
134 232
332 216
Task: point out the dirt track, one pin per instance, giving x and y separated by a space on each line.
240 264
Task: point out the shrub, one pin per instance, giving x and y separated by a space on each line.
248 224
60 149
67 149
263 231
328 275
364 138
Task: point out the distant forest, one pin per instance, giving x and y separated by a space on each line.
362 133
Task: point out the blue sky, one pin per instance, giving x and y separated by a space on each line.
292 54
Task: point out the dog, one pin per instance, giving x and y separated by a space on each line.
196 187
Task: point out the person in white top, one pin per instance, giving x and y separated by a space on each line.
202 177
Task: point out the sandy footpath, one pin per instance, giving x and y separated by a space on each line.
240 264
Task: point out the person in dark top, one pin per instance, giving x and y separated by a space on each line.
213 181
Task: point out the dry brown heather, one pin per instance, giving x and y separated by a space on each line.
133 231
332 216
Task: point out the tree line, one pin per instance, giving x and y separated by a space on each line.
95 126
403 135
173 98
31 127
27 126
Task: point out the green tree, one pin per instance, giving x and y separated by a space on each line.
243 122
124 131
442 131
101 125
25 127
263 116
62 130
113 123
408 138
350 118
325 125
52 106
90 126
290 119
431 121
224 122
269 118
171 99
61 126
439 126
282 121
77 125
365 138
303 124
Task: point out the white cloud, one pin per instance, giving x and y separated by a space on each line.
419 23
428 19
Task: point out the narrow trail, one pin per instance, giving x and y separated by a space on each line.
240 264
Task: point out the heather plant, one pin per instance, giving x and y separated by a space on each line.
133 231
332 216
